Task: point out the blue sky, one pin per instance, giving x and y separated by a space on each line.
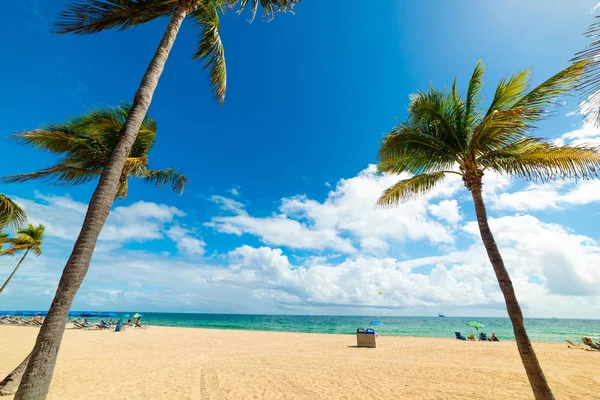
309 96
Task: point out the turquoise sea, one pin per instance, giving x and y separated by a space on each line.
541 330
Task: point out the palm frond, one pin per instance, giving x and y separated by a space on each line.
473 98
165 177
11 214
3 237
87 142
122 189
270 7
500 128
509 91
92 16
59 175
408 189
414 150
28 238
535 159
438 111
540 101
210 48
589 86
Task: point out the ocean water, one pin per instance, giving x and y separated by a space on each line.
541 330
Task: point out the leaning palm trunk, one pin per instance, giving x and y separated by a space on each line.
536 377
38 375
14 271
10 384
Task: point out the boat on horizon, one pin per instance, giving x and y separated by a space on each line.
441 315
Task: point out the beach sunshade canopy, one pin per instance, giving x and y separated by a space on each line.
88 314
107 314
126 315
137 315
475 325
376 323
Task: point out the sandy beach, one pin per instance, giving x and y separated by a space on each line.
203 364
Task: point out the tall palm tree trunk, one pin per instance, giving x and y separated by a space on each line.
14 271
536 377
38 375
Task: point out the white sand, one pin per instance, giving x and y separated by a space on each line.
202 364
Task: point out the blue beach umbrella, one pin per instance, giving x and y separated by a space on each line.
89 314
107 314
126 315
376 323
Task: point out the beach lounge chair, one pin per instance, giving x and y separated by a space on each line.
472 337
365 338
572 345
459 336
587 341
483 337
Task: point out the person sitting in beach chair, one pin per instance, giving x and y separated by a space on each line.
102 325
493 338
483 337
459 336
589 342
472 337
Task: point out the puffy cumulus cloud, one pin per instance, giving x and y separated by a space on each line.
447 210
552 269
543 196
186 241
138 222
564 261
347 218
354 282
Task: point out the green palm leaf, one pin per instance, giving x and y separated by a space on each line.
11 214
408 189
165 177
86 142
210 48
30 237
92 16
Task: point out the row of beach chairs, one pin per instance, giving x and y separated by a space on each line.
482 337
19 322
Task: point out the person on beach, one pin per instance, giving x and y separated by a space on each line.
494 338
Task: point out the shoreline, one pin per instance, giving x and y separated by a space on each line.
70 326
198 363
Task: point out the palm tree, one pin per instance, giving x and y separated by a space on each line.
85 144
27 239
447 135
11 214
92 16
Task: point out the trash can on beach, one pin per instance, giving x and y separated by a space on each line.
365 338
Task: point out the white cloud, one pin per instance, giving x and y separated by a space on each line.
346 259
447 210
138 222
348 213
185 240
